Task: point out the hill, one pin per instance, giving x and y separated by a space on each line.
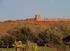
35 23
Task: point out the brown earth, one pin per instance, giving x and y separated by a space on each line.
35 23
7 25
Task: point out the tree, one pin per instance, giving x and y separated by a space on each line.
21 33
7 41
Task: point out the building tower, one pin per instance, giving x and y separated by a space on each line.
38 18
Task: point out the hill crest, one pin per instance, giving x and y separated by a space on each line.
35 23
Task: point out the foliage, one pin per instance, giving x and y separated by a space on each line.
6 41
53 35
22 33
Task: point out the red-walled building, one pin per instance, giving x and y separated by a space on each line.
39 18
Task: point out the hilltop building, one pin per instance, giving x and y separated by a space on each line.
39 18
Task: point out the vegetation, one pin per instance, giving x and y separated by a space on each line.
55 36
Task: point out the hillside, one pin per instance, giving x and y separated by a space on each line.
7 25
35 23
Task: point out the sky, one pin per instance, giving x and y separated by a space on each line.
21 9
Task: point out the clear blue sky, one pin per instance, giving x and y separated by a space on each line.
20 9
